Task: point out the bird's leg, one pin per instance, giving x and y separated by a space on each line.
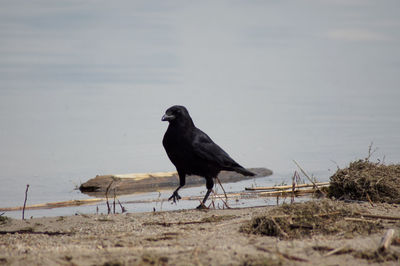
175 196
203 202
209 185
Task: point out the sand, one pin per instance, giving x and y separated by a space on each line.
189 237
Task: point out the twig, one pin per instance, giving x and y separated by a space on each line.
212 203
285 192
123 209
108 204
288 186
306 175
114 202
370 151
26 196
385 217
337 165
291 257
279 228
386 240
336 250
314 215
369 199
219 182
359 220
226 197
293 186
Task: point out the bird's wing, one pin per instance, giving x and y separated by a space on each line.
205 148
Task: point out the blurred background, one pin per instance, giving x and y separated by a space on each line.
83 86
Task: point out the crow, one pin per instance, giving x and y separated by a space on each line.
193 152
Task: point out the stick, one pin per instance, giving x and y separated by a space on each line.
336 250
293 186
288 186
285 192
386 240
291 257
122 207
297 216
309 178
108 205
379 216
114 202
369 199
58 204
219 182
279 228
304 173
226 197
370 151
359 220
26 196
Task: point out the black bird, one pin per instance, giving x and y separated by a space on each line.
193 152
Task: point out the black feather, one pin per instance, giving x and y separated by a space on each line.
193 152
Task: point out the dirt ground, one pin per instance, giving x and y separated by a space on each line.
189 237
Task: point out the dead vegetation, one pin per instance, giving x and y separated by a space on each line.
326 217
3 219
369 255
309 218
367 181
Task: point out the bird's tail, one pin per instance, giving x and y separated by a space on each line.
243 171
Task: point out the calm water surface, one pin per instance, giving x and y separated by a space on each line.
83 88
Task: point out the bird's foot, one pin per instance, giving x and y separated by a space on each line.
202 207
175 197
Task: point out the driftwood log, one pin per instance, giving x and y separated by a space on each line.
131 183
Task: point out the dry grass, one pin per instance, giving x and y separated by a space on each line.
309 218
4 219
367 181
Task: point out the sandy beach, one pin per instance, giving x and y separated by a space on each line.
189 237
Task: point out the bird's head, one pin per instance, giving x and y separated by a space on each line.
177 113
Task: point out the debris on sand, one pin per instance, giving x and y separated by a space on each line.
3 219
300 220
367 181
369 255
261 261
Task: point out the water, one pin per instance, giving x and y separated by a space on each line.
83 88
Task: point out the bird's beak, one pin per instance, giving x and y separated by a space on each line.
167 117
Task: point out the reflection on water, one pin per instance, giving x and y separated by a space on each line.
83 87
